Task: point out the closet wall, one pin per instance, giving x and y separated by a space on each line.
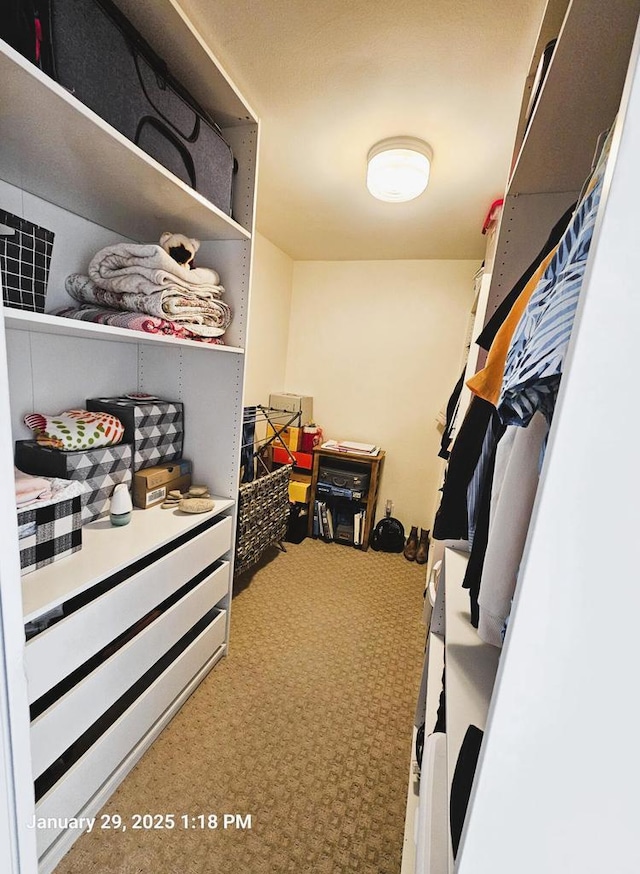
380 361
268 322
376 343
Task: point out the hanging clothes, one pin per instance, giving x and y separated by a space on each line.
487 383
451 521
488 333
452 409
515 483
247 457
535 359
482 505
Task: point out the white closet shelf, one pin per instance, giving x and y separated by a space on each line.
175 38
105 551
471 663
587 70
63 152
23 320
435 662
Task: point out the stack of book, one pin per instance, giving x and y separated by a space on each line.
359 520
351 447
339 523
322 521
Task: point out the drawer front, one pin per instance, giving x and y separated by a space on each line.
62 723
56 652
68 797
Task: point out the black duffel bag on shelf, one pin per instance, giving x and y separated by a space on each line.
94 52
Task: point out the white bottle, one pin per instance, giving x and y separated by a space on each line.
121 506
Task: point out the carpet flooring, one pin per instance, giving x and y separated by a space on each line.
305 728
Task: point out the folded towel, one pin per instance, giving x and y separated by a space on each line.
145 269
133 322
205 315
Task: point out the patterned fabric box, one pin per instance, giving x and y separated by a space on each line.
46 534
155 428
25 257
100 469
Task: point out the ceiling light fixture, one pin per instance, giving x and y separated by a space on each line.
398 168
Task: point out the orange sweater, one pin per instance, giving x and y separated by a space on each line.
486 383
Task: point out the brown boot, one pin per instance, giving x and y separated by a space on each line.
422 552
411 547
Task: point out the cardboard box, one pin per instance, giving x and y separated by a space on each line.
298 492
293 403
155 428
151 485
46 534
100 469
291 437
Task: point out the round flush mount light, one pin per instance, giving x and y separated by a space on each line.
398 168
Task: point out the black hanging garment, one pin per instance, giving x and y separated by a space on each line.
451 522
452 407
462 782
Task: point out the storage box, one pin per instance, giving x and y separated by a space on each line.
291 437
155 428
25 257
46 534
298 492
100 469
293 403
152 484
302 459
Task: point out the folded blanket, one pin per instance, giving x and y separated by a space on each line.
36 491
205 316
145 269
29 488
133 322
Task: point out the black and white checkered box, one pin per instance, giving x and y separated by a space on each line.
155 428
48 533
25 257
101 470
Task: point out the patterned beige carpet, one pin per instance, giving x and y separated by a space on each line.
305 727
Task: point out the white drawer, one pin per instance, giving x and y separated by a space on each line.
61 724
69 796
56 652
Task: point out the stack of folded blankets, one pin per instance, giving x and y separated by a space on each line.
141 287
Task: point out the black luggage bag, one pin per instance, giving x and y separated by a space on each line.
96 54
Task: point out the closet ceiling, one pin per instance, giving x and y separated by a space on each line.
329 79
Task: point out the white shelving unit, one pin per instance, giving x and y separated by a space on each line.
146 607
555 788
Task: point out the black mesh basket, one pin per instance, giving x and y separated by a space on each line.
25 257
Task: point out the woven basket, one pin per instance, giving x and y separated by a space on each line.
263 516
